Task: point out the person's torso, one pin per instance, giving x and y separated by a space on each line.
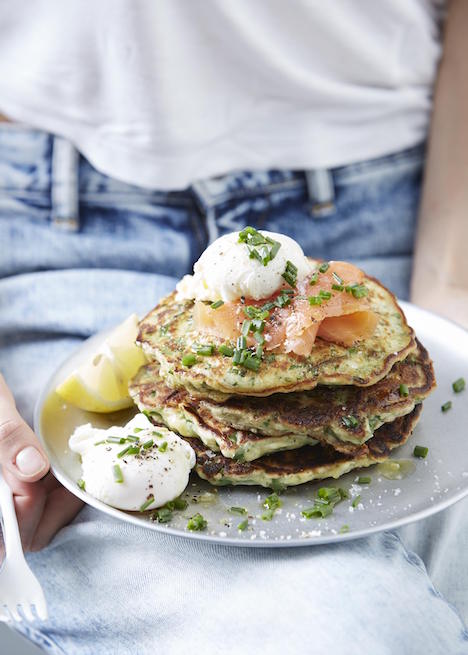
160 94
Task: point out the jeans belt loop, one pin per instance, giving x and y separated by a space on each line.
64 185
321 191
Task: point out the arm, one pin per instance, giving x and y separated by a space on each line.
440 275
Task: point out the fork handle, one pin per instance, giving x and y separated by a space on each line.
11 534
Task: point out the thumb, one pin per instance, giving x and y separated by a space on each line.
20 450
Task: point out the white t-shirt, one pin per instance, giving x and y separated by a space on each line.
164 92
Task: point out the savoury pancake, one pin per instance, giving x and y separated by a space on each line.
296 467
246 428
167 334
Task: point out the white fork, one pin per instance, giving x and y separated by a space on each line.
20 590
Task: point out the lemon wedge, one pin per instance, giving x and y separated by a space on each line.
100 384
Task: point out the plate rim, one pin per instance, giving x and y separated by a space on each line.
129 517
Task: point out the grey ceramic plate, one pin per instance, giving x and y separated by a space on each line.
431 484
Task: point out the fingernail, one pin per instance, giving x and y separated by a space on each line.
30 461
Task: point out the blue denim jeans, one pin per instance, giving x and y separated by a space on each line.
79 252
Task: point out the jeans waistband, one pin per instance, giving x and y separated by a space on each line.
43 163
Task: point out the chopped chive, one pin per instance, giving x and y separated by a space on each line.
259 246
157 434
350 421
217 304
189 360
290 273
180 503
241 343
357 290
243 525
326 295
133 450
225 350
313 278
356 501
446 406
458 385
246 328
82 485
343 529
272 501
147 503
404 391
148 444
98 443
365 479
162 515
137 430
323 268
197 522
315 300
337 278
256 312
118 475
115 440
123 452
337 287
420 451
268 515
238 510
206 349
163 447
131 438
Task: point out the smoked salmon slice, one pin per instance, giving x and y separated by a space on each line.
331 304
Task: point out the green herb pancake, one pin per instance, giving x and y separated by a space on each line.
167 334
305 464
246 428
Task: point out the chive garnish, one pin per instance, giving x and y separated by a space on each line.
446 406
82 485
259 246
246 328
197 522
225 350
137 430
162 515
337 287
272 501
238 510
98 443
189 360
157 434
357 290
350 421
243 525
118 475
115 440
322 296
313 278
147 503
404 391
217 304
206 349
323 268
337 278
290 273
356 501
459 385
130 437
343 529
365 479
133 450
148 444
123 452
327 498
256 312
241 343
163 447
420 451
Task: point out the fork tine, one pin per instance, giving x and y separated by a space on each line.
15 615
27 611
41 609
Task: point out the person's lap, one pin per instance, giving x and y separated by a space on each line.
129 586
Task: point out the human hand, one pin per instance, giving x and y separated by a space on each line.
42 504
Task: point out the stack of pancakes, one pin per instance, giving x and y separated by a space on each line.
297 418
